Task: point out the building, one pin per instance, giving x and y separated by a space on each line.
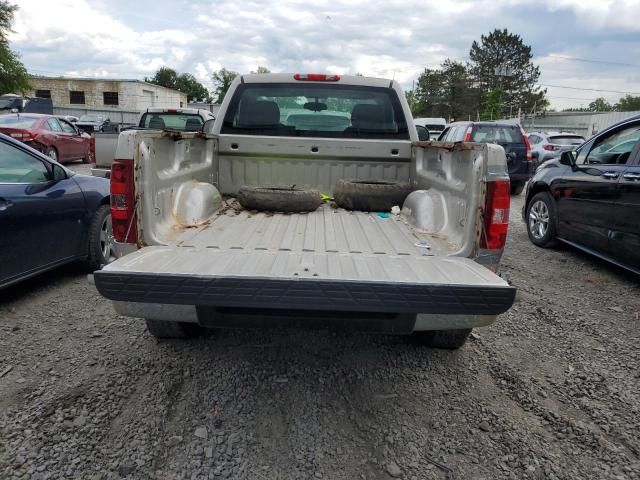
119 99
582 123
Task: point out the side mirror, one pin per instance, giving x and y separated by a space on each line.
207 127
423 133
568 159
57 172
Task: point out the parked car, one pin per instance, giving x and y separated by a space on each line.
509 136
93 123
434 126
590 197
50 135
48 214
187 260
549 145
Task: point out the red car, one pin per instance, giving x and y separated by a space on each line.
50 135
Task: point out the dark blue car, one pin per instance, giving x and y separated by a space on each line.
48 214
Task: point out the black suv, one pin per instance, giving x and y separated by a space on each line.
590 198
509 136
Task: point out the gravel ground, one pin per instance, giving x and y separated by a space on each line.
551 391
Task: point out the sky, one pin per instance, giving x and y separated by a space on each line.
585 48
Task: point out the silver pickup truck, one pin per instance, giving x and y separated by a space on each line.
191 256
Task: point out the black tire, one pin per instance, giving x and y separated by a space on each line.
279 199
97 255
167 329
517 187
370 195
548 238
446 339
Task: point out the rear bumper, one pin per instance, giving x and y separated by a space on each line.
304 294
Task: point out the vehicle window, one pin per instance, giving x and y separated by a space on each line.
423 133
444 134
22 122
174 121
534 139
66 126
435 128
451 136
315 110
53 125
614 148
566 140
17 166
496 134
92 118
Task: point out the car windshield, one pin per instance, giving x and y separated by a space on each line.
496 134
91 118
316 110
566 140
21 121
186 122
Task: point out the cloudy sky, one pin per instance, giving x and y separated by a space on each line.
592 46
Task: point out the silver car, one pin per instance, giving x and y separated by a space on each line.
550 145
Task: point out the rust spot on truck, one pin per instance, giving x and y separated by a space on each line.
449 146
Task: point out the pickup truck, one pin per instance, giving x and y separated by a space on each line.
190 256
180 119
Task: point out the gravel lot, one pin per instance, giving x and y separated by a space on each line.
550 391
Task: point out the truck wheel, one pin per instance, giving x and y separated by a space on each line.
541 220
166 329
517 187
370 195
100 239
279 199
447 339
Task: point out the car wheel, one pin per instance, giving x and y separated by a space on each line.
517 187
52 153
446 339
100 239
541 220
167 329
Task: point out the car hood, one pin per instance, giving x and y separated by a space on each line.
90 183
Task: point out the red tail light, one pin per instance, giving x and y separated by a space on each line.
123 214
316 77
24 136
467 136
496 215
551 148
527 145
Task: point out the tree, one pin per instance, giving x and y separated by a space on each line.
600 105
628 103
492 104
185 83
262 70
222 80
501 59
13 76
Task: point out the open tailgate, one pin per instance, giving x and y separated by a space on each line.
305 281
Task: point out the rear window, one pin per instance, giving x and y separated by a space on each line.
185 122
435 128
17 122
316 110
496 134
566 140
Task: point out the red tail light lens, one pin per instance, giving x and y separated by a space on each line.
527 145
467 136
316 77
496 215
551 148
24 136
123 202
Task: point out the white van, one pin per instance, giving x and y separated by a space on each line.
434 125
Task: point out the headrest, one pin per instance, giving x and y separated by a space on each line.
156 122
370 117
259 113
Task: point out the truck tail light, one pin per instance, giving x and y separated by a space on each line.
496 215
123 213
527 145
467 136
316 77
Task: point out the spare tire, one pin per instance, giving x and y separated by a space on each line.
370 195
279 199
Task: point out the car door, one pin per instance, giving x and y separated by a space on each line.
587 192
76 143
41 216
625 231
58 139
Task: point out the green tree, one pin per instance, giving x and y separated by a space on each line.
492 104
185 83
262 70
13 76
410 95
502 60
222 80
628 103
600 105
